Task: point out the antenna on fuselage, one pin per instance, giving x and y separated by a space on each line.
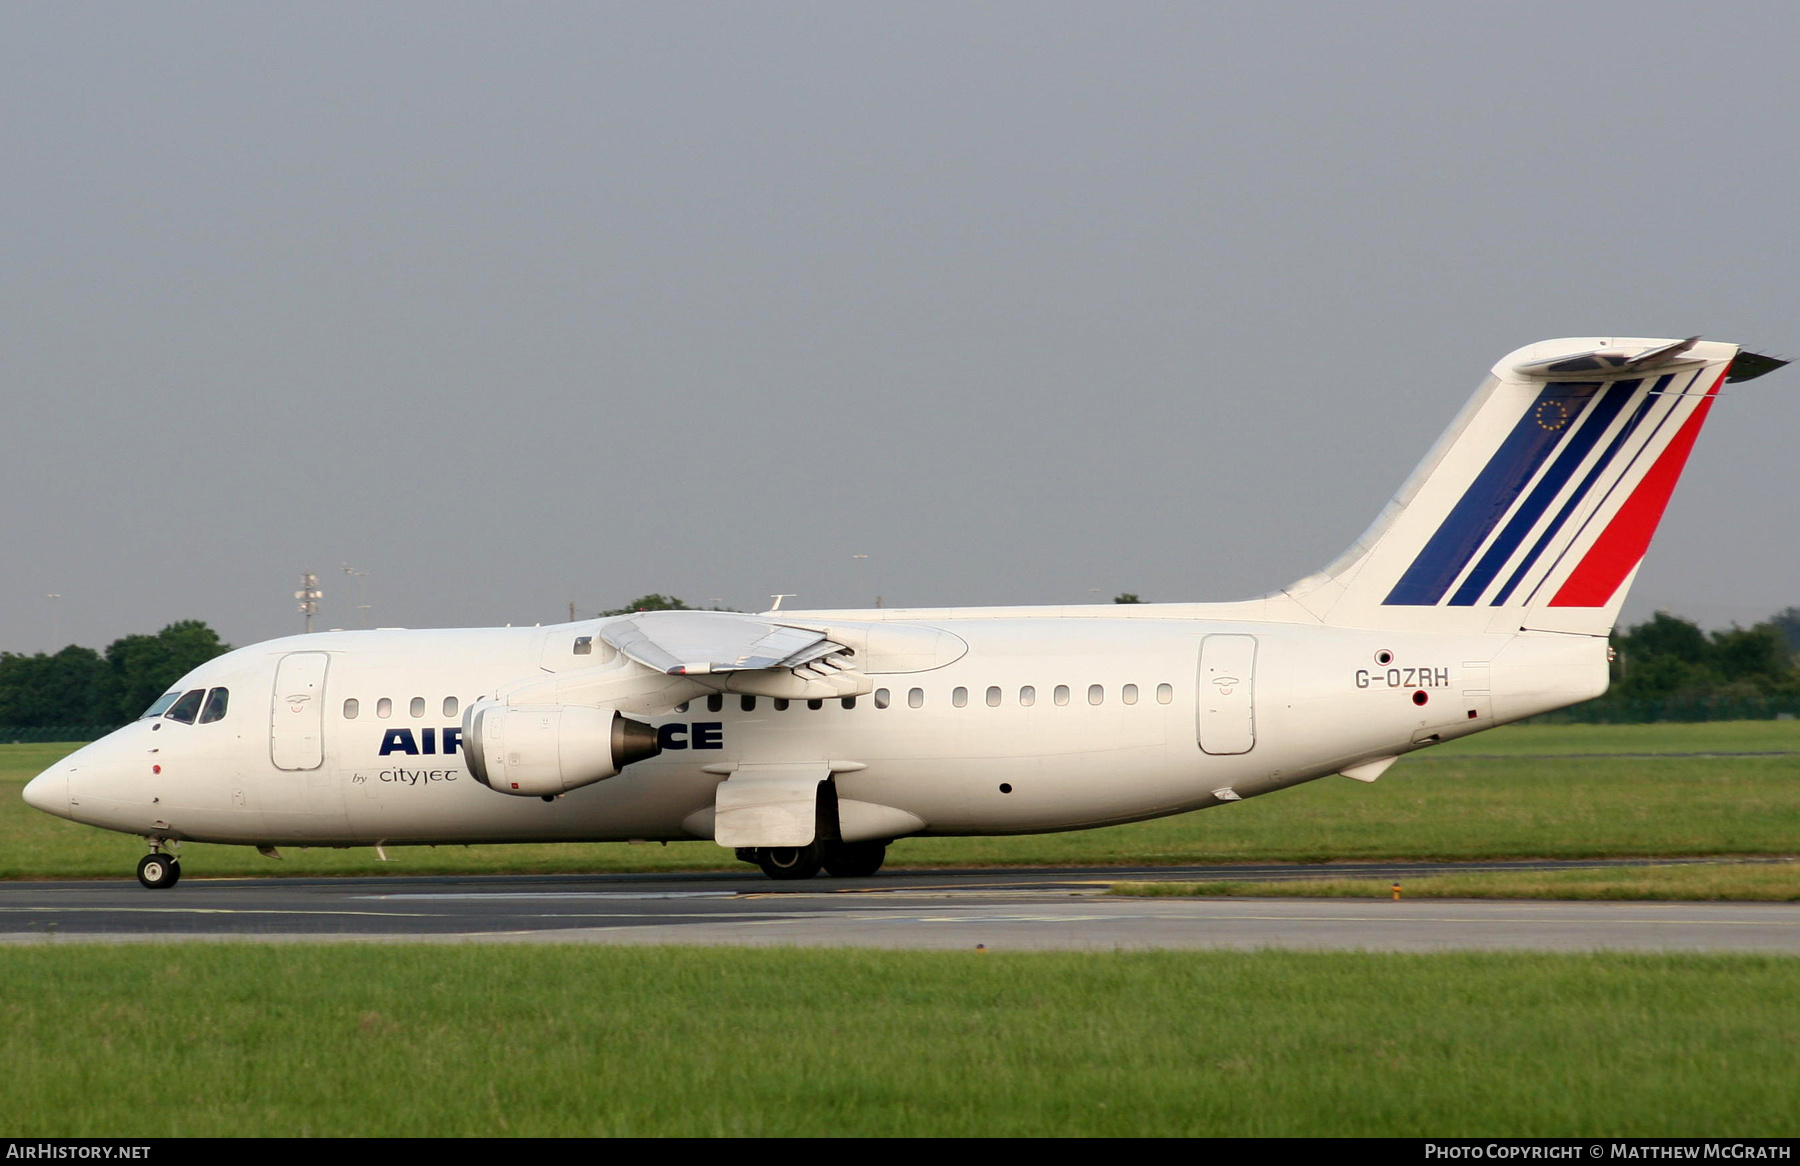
776 606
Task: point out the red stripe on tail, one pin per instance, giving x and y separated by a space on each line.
1621 546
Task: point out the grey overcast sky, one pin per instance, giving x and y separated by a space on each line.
517 305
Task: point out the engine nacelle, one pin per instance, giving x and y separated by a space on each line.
543 750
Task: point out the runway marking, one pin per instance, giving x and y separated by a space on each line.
1020 886
480 896
1482 919
212 911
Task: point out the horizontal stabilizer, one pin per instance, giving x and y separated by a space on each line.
1608 361
1750 365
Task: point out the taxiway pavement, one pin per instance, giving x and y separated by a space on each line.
999 909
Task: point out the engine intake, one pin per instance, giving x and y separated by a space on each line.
544 750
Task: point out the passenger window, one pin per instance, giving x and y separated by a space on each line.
1128 694
682 707
993 698
747 703
959 697
1096 693
815 705
915 698
584 645
162 704
1061 695
187 708
1164 694
417 706
1028 696
450 706
781 704
351 708
216 700
848 702
881 698
384 708
715 702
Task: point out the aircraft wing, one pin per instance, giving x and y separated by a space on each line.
756 655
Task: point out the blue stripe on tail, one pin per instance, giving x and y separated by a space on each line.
1491 495
1593 424
1562 516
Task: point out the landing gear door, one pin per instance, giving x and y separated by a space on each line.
1226 697
769 805
297 711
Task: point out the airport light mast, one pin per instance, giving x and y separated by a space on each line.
309 596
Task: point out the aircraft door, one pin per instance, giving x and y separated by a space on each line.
1227 712
297 711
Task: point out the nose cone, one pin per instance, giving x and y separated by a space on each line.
49 792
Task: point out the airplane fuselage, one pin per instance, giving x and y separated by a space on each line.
1038 724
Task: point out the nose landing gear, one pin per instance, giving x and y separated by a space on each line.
157 871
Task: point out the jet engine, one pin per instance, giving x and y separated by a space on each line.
544 750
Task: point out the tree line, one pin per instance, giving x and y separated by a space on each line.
79 687
1668 669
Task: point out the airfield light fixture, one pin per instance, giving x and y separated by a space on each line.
309 596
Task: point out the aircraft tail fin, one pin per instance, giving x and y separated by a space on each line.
1536 506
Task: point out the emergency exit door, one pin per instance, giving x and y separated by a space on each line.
297 711
1227 708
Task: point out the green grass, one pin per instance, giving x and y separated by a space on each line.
1753 882
1495 795
366 1041
1702 737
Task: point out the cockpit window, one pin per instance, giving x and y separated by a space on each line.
216 701
185 709
162 705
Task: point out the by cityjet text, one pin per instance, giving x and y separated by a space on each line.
1608 1151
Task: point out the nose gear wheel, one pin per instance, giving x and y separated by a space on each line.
157 871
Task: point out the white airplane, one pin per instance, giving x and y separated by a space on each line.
802 740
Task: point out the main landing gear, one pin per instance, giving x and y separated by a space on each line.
854 860
157 871
844 860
